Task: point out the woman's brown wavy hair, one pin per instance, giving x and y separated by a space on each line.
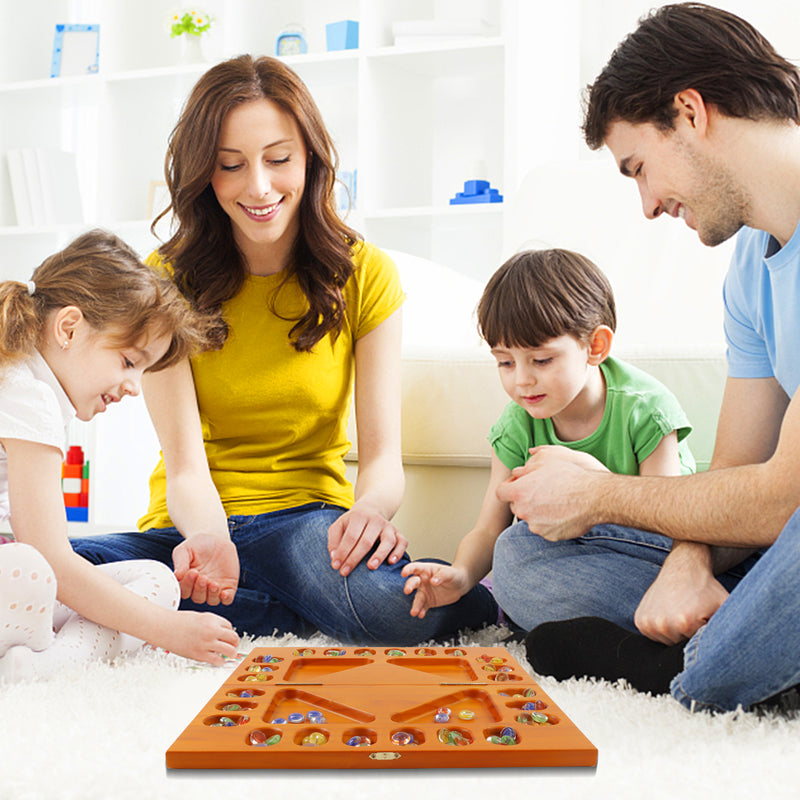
207 264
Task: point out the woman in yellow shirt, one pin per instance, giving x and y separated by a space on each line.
250 500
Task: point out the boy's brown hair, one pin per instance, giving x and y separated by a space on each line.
539 295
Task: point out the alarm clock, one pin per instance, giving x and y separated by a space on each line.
291 43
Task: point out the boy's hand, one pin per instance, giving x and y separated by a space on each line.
207 568
553 453
203 636
434 584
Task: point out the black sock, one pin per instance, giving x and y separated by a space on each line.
598 648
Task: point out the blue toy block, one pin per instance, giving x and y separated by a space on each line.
342 35
475 187
476 192
77 514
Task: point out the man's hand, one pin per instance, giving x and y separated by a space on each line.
683 597
550 492
207 568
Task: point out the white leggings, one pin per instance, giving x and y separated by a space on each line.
39 635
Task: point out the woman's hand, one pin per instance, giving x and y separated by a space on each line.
207 568
356 532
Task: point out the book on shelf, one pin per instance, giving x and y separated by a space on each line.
44 185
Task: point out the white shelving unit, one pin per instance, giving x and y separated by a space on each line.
415 121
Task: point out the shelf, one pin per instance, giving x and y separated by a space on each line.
415 120
36 84
73 228
454 47
474 209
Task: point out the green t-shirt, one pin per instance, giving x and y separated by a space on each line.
639 412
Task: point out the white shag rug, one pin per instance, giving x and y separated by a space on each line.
102 732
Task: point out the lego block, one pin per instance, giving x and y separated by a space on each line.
75 455
71 485
476 187
77 514
342 35
476 191
72 499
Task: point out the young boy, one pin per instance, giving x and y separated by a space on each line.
549 317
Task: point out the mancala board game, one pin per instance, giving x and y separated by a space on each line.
379 708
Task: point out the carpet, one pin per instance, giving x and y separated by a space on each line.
101 731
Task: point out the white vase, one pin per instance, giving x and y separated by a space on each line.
191 49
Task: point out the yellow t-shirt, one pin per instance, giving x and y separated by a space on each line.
275 420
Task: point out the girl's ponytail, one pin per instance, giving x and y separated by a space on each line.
19 321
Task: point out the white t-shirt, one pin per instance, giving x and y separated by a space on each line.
34 408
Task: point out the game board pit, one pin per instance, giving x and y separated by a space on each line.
456 670
305 737
468 699
240 705
264 737
312 670
417 737
368 734
454 736
244 693
261 677
226 720
286 701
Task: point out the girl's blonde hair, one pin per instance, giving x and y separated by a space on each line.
117 294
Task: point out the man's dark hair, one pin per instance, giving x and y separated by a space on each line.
690 46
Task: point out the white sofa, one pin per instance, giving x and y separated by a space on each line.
451 392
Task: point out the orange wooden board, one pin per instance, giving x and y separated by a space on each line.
284 708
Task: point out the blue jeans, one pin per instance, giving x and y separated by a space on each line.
739 658
286 583
750 649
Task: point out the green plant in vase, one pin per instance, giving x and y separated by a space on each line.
190 26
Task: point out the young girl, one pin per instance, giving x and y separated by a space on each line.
254 433
549 317
74 340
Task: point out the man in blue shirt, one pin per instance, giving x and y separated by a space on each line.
698 108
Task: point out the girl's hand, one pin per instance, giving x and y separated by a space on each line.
202 636
434 584
355 533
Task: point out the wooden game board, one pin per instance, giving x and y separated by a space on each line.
371 701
